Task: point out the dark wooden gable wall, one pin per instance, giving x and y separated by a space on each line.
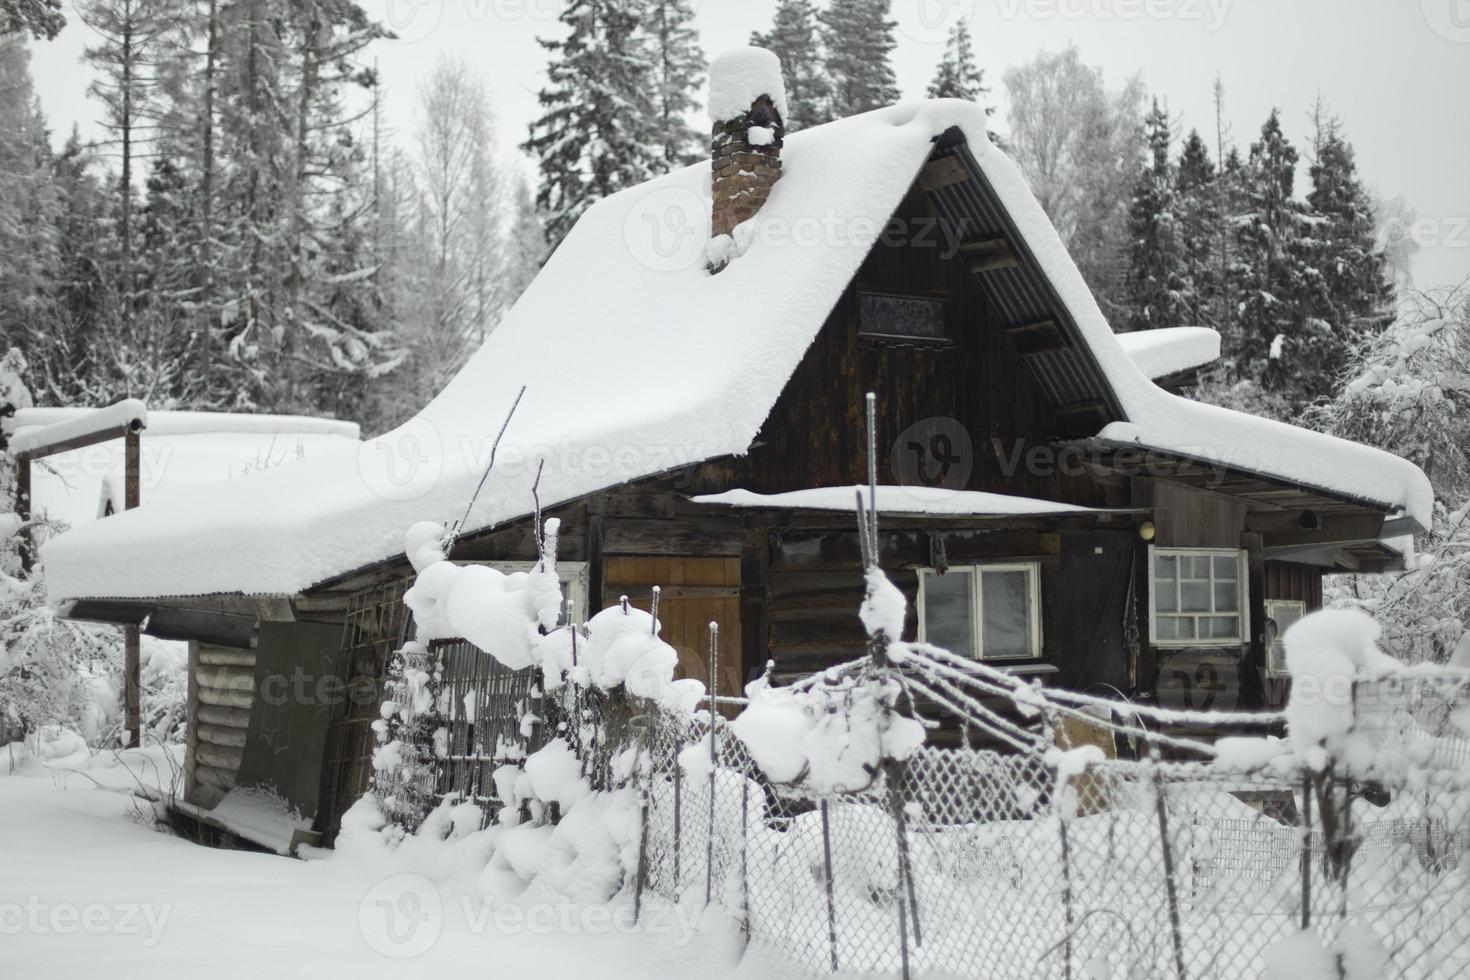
974 386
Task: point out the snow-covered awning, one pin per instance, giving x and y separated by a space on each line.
636 362
1171 350
906 501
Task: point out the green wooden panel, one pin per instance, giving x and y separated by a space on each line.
296 693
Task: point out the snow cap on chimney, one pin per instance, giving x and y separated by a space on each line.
747 104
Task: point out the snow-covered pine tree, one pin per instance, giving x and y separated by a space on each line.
126 56
1357 296
958 77
1266 269
1197 210
858 37
592 137
29 206
679 69
1156 291
42 19
795 37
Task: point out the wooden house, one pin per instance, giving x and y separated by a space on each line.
1044 505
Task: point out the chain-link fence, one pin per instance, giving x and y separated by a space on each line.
977 863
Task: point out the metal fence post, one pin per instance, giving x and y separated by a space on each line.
1306 851
678 821
1169 884
827 873
744 855
709 848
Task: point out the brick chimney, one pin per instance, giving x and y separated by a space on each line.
748 106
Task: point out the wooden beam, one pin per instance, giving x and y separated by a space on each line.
1082 418
1042 337
1333 529
989 254
942 172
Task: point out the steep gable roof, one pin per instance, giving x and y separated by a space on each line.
636 361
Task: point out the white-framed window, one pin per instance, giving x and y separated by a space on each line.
1198 597
1282 612
989 611
573 576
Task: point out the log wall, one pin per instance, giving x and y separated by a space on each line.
221 692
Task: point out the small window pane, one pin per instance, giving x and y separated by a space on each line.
949 618
1168 599
1226 568
1006 601
1165 568
1227 596
1194 596
1222 627
1176 628
1198 566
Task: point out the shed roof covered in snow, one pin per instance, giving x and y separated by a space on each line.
635 361
180 455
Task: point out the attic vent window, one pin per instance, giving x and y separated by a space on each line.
921 318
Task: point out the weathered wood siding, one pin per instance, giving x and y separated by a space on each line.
815 435
1289 580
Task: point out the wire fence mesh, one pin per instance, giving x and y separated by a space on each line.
979 863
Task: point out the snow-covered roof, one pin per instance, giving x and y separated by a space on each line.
179 455
636 361
911 501
1170 350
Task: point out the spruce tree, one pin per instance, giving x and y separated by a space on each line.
1267 268
589 140
1197 214
1357 293
795 38
958 77
1155 286
858 37
678 71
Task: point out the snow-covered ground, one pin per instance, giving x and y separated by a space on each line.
88 888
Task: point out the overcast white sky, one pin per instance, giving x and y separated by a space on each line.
1397 71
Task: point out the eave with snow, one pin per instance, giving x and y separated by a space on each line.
700 421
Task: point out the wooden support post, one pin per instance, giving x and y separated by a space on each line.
132 660
1253 670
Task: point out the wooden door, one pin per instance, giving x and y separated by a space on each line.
693 593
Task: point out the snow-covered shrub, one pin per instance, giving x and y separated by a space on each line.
1409 393
47 664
